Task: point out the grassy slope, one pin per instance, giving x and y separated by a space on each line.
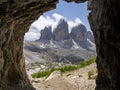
63 69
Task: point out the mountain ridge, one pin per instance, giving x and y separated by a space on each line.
60 34
61 46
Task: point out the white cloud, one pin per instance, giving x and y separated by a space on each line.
34 31
58 16
47 21
31 36
74 23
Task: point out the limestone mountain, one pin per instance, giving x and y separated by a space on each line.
61 31
60 46
79 35
60 37
90 36
46 33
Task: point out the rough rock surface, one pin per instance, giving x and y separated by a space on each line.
46 33
77 1
79 35
61 31
15 18
104 20
90 36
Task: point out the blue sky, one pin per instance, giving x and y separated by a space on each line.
71 10
73 13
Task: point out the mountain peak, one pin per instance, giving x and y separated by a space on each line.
62 21
61 31
46 33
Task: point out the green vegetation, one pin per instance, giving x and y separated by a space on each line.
90 74
79 75
43 73
86 63
63 69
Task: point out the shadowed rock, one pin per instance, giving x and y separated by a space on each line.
61 31
90 36
15 19
79 35
46 33
104 21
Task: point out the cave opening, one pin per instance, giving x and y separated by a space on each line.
15 18
59 38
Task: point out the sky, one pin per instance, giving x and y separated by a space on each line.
73 13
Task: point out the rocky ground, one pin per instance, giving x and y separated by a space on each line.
38 52
82 79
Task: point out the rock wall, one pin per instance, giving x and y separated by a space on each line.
61 31
15 19
79 33
104 20
46 33
90 36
